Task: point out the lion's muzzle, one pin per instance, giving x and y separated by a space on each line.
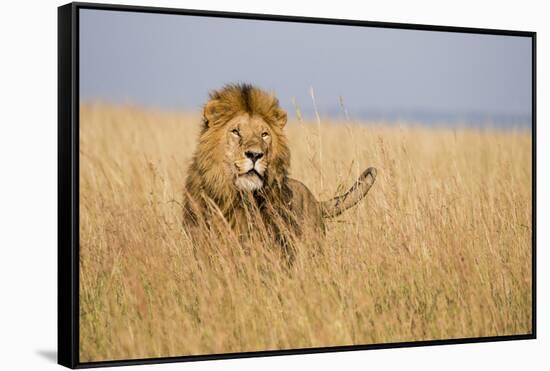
250 171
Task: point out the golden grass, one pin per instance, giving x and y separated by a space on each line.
440 248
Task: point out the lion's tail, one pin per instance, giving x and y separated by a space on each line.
339 204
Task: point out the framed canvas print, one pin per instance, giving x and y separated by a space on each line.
236 185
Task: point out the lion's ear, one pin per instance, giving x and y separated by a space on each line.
280 116
211 112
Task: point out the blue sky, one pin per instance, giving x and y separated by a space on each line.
173 61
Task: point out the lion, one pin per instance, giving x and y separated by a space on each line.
240 171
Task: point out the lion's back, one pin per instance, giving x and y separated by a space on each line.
304 205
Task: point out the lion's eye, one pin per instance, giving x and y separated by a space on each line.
265 134
236 132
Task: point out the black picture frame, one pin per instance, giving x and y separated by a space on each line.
68 182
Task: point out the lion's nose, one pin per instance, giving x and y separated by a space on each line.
254 155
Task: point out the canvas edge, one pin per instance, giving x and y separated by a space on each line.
67 189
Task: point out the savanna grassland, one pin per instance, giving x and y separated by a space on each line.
440 248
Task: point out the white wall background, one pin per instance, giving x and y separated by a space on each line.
28 182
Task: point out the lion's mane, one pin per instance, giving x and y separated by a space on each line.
208 176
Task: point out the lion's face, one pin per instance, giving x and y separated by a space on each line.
242 146
248 149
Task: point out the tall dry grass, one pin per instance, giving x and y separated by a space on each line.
440 248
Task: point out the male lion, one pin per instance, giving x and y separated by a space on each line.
239 172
